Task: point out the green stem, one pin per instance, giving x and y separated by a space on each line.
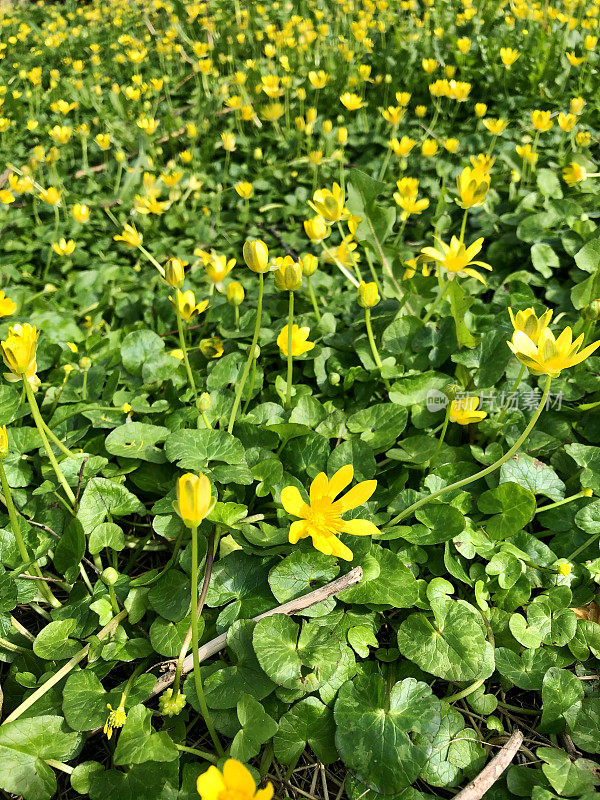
463 225
441 295
354 261
182 344
290 359
23 551
58 442
464 693
442 434
313 299
41 430
579 550
195 638
373 345
482 473
244 378
562 502
195 752
511 393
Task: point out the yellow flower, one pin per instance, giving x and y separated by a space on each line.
529 323
463 411
583 138
408 187
402 147
228 141
483 163
194 501
309 264
171 178
566 121
321 519
7 306
211 347
300 343
318 79
456 258
235 293
6 197
351 101
63 247
429 147
316 229
235 783
549 355
367 294
480 109
19 352
590 42
393 114
495 126
81 212
451 145
574 173
60 133
218 267
410 204
508 56
3 442
527 153
288 275
473 185
403 98
428 64
51 195
576 105
117 717
541 120
420 111
244 189
256 255
573 59
129 235
328 204
102 140
463 44
186 302
271 113
175 272
147 124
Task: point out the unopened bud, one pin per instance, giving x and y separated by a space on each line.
110 576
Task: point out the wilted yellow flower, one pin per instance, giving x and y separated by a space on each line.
235 783
300 343
256 255
463 411
63 247
19 353
211 347
351 101
7 306
541 120
473 185
574 173
321 519
455 258
508 56
529 323
129 235
186 303
194 501
549 356
117 717
81 212
288 275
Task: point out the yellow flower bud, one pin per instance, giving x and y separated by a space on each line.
368 295
194 501
309 264
288 275
19 352
235 293
3 442
256 255
316 229
175 273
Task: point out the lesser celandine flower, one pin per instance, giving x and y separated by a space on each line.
410 204
566 121
351 101
81 212
7 306
211 347
63 247
480 109
576 105
6 197
186 303
393 114
541 120
244 189
508 56
51 195
234 783
228 142
456 259
235 293
368 294
300 343
429 147
574 173
401 147
483 162
117 717
463 411
529 323
256 255
19 353
316 229
495 126
321 518
194 501
175 272
527 153
288 275
473 185
328 204
129 235
218 267
549 356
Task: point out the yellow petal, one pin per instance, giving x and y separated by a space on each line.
341 479
238 779
358 495
265 794
210 784
360 527
298 530
318 487
523 344
292 501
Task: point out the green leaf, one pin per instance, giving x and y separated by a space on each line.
138 744
567 778
140 347
379 425
560 691
534 475
24 744
257 728
512 507
386 581
137 440
460 303
588 517
196 449
588 258
301 659
170 595
588 458
70 550
453 646
107 534
101 497
300 573
457 754
8 592
309 722
53 643
9 403
84 701
385 740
